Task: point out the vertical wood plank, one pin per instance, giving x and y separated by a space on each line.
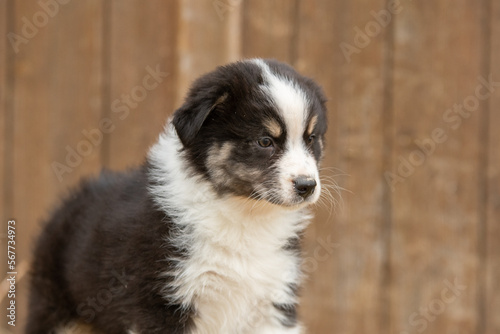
492 307
3 117
344 290
434 260
57 96
269 29
208 37
4 140
140 102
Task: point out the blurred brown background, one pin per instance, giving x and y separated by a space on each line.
411 247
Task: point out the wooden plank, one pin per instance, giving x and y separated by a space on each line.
434 262
344 290
492 305
208 36
6 162
57 96
3 117
140 102
269 30
181 43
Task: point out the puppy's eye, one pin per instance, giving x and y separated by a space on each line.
311 139
265 142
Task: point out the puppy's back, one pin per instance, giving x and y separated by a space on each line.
101 245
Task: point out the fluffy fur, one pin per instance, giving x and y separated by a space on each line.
204 236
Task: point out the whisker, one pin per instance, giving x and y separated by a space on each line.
331 198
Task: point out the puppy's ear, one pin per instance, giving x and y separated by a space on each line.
189 118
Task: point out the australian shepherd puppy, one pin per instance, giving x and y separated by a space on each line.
203 237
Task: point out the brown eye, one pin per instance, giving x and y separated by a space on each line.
311 139
265 142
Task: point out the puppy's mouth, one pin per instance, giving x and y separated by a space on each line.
291 204
304 191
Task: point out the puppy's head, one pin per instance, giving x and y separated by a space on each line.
255 129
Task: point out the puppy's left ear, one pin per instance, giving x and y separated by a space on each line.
189 118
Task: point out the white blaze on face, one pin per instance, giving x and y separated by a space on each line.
292 103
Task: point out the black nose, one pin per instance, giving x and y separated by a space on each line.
304 186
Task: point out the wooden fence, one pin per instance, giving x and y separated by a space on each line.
414 102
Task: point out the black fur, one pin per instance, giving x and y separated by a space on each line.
229 105
100 257
290 314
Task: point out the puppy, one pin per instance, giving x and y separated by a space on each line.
204 236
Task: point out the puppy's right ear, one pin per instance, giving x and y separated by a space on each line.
189 118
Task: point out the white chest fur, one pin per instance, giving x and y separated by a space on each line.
237 265
236 270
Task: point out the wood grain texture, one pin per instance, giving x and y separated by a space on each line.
56 97
269 29
5 134
492 292
208 36
334 301
3 119
437 60
142 40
